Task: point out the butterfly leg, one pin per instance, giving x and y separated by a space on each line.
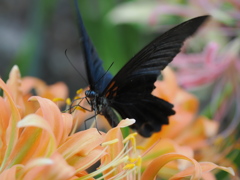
69 110
95 122
78 105
85 122
95 116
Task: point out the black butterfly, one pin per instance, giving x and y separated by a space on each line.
129 92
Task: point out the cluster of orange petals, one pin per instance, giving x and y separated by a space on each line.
186 133
38 141
38 145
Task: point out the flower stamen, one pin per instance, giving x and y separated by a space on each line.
110 142
131 137
129 166
57 99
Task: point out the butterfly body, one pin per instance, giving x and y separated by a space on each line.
129 91
98 103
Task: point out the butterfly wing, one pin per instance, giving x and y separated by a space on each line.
98 78
129 92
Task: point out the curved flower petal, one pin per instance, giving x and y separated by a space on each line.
4 122
167 87
114 149
54 168
52 114
126 122
115 133
11 173
159 162
57 90
81 143
12 130
162 147
67 124
14 84
38 162
33 141
206 167
83 162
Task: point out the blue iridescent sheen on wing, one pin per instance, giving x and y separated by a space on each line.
98 78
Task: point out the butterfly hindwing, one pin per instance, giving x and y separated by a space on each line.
150 113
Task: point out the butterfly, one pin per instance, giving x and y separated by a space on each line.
129 92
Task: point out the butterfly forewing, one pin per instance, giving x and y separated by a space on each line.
157 54
98 79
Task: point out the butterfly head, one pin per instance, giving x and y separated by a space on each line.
91 94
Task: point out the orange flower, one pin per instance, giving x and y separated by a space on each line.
185 133
44 145
183 125
38 145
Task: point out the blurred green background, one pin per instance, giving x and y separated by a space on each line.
35 34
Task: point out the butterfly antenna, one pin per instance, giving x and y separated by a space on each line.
105 73
74 67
